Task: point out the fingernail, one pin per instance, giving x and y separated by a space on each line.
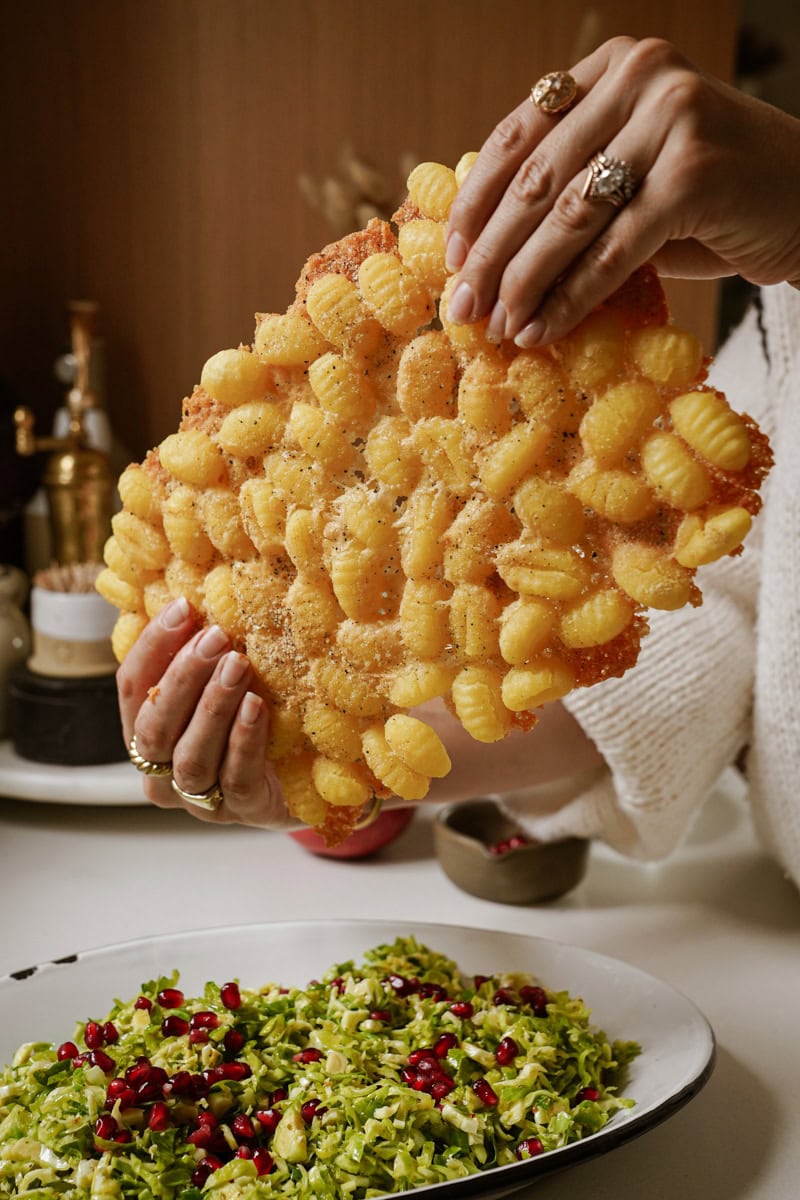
496 329
212 642
175 613
530 335
250 708
233 668
461 303
455 254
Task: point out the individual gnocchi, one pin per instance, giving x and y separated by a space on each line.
383 508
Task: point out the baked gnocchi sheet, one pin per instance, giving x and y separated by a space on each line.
383 508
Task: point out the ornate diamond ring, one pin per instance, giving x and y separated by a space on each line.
609 180
554 92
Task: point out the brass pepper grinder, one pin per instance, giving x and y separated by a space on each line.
77 479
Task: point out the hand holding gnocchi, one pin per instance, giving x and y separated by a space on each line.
707 179
375 506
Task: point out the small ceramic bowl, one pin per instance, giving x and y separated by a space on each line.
530 873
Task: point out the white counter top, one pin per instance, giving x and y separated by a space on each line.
718 922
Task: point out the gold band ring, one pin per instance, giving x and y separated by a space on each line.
555 92
159 770
370 816
210 799
609 180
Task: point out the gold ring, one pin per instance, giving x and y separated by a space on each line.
609 180
372 815
210 799
159 770
554 92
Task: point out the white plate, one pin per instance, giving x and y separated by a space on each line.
107 783
677 1042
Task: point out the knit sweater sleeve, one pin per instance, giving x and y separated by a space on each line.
669 726
773 764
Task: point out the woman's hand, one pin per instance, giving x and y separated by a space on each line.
718 177
184 694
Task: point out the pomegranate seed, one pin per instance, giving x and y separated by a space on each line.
180 1084
536 998
278 1095
480 980
311 1109
380 1014
244 1152
139 1071
419 1056
233 1041
432 991
203 1020
151 1086
142 1002
504 996
174 1026
462 1008
587 1093
235 1071
230 995
105 1127
206 1119
338 984
427 1066
506 1051
408 1075
120 1092
99 1058
200 1087
124 1135
444 1044
517 840
529 1148
170 998
242 1126
148 1091
66 1050
200 1137
485 1092
80 1060
441 1087
207 1167
93 1035
159 1117
499 848
110 1033
263 1161
400 985
420 1084
198 1037
268 1118
307 1056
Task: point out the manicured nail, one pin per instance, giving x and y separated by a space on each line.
233 668
530 335
175 613
250 708
461 303
212 642
455 254
496 329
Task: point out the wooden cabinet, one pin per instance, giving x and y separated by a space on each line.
153 152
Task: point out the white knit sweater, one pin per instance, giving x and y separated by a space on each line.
715 679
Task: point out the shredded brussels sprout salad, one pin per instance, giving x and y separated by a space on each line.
373 1079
